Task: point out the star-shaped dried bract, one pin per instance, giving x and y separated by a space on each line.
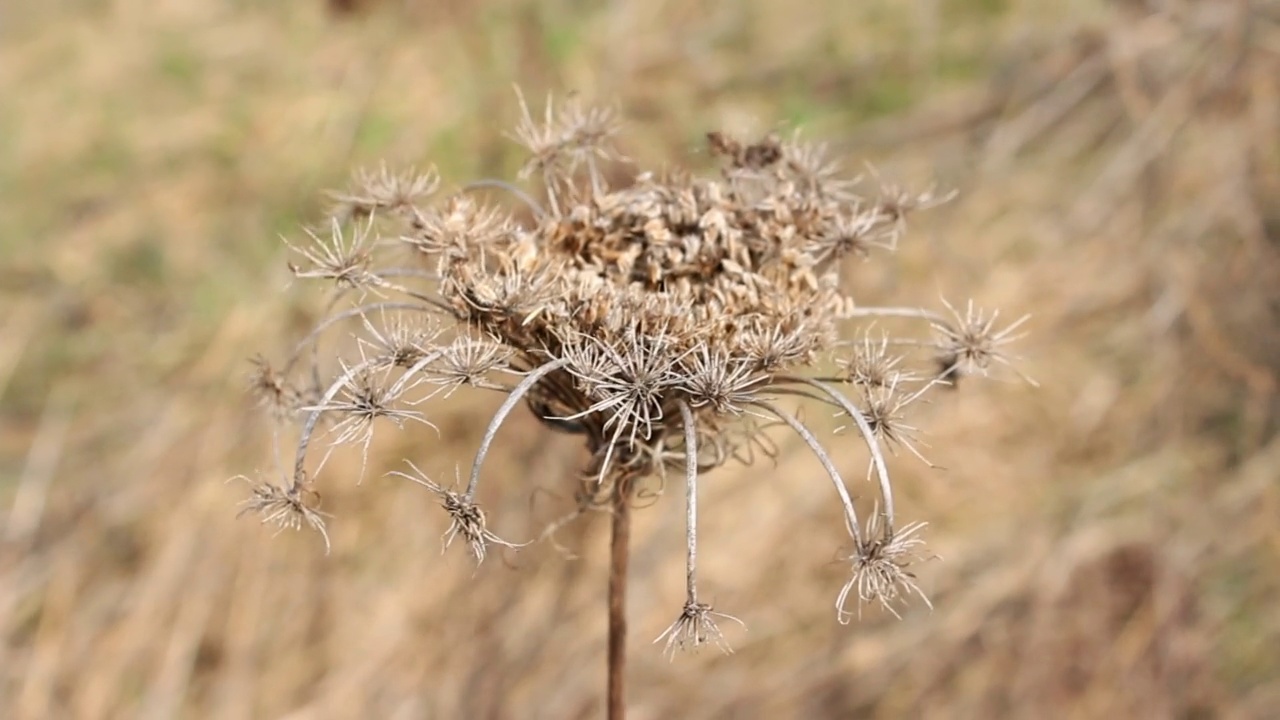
467 520
458 229
288 507
399 341
725 384
365 396
273 391
343 258
469 361
815 172
694 628
383 189
971 343
884 407
895 203
561 141
874 364
880 565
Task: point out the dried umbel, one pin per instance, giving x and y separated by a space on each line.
669 321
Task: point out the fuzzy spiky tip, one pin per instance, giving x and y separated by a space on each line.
288 507
880 569
466 520
694 628
970 343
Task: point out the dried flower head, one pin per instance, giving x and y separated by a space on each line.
469 361
365 396
872 363
343 258
880 571
726 384
694 628
288 507
662 320
383 190
456 230
884 407
399 341
466 518
969 343
271 389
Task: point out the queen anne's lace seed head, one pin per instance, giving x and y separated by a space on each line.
663 320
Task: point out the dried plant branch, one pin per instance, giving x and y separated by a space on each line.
869 435
466 518
619 557
695 626
850 515
691 500
513 399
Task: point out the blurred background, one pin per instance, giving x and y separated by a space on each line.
1110 541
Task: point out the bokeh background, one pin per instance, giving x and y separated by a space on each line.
1110 541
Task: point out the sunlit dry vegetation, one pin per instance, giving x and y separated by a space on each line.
1108 540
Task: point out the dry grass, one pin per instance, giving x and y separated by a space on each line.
1109 540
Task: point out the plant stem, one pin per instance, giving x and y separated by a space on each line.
618 557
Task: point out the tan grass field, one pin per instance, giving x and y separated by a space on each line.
1110 541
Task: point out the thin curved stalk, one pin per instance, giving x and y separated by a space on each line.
850 517
406 272
501 415
300 457
523 196
802 393
868 434
903 312
423 298
691 500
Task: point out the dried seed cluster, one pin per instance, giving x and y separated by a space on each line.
660 319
